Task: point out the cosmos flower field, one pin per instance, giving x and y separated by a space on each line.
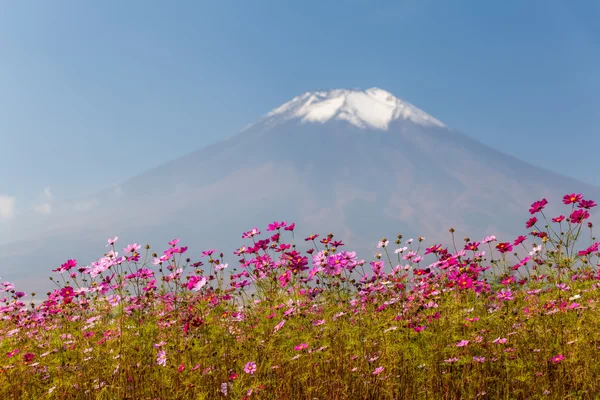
478 318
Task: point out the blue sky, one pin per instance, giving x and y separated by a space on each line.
92 93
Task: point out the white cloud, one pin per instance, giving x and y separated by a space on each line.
47 195
44 208
7 207
86 205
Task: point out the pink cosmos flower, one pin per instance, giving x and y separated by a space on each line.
162 358
505 295
196 283
519 240
560 218
572 198
462 343
132 248
531 222
508 280
174 275
207 253
301 346
311 237
160 260
150 286
579 215
113 300
145 273
558 358
592 249
250 234
66 266
474 246
289 311
488 239
112 241
587 204
334 264
504 247
275 225
221 267
250 368
285 278
538 206
400 250
382 243
279 326
434 249
240 251
378 370
12 353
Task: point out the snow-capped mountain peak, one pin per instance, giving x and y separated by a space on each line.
372 108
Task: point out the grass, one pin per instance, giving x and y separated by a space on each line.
483 320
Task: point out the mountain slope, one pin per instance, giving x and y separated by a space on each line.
359 164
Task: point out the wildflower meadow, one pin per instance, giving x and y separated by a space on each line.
475 319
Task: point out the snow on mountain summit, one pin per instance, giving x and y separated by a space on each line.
373 108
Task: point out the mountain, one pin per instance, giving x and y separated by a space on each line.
360 164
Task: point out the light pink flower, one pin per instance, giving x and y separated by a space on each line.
250 368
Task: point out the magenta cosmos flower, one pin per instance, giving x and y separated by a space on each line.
579 215
558 358
531 222
538 206
572 198
587 204
335 264
504 247
301 346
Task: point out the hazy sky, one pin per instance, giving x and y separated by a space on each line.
92 93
